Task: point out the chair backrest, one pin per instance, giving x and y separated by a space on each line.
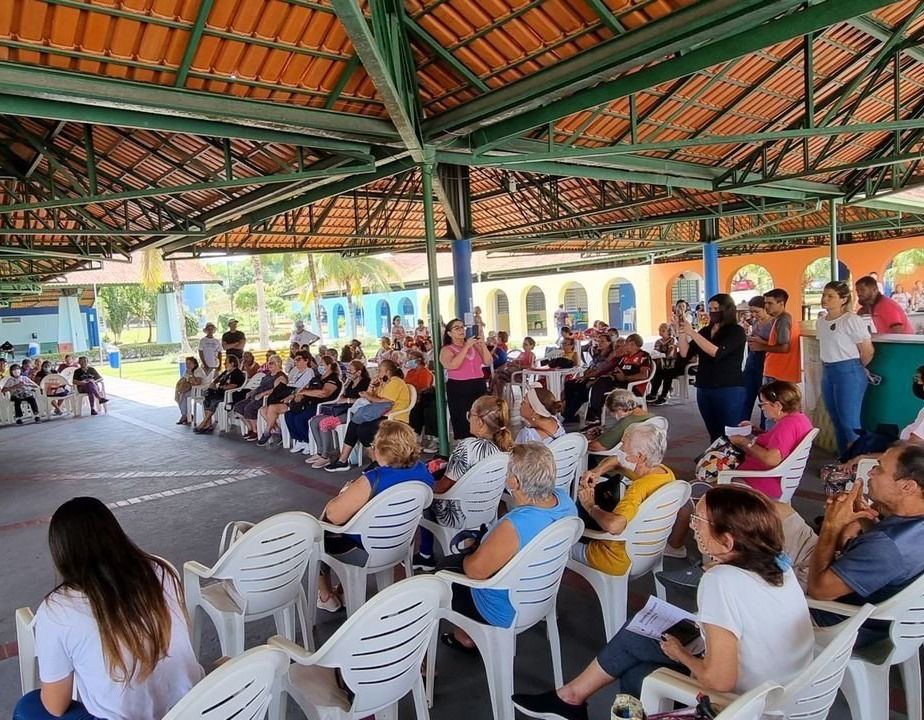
410 406
659 421
53 379
906 610
387 523
650 378
750 706
479 490
811 693
533 575
267 563
570 451
241 688
793 467
379 649
647 533
25 639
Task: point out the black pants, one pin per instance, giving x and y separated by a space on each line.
464 604
363 432
17 406
461 395
664 378
576 393
595 400
423 414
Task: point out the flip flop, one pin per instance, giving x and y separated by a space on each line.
449 640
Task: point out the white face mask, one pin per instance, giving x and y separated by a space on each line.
624 460
16 373
322 368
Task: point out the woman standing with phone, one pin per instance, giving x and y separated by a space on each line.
463 359
846 348
720 348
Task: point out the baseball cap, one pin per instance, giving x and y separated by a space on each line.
210 325
299 323
232 320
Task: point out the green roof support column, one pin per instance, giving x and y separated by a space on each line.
426 171
832 246
91 159
195 35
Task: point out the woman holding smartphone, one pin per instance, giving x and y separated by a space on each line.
752 612
463 358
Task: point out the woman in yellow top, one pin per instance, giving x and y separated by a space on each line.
388 387
643 448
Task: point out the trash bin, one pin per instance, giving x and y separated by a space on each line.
115 359
34 349
182 365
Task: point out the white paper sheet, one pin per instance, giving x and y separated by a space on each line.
657 617
731 431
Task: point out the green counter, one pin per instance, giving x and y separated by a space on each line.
892 402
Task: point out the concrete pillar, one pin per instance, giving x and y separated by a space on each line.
166 319
72 328
462 276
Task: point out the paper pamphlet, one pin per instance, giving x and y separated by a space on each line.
657 617
731 431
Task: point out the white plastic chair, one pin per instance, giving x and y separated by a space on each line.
377 653
196 399
866 683
386 526
477 493
259 575
79 397
246 687
356 456
25 639
532 578
658 421
570 452
44 399
808 696
684 383
6 404
790 470
644 539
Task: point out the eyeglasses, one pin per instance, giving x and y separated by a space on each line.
456 327
700 519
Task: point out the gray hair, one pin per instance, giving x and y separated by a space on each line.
622 399
647 440
534 466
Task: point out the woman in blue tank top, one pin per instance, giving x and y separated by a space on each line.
531 481
397 453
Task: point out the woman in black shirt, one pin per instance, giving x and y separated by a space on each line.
231 379
720 349
324 387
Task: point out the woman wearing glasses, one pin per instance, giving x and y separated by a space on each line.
846 349
463 358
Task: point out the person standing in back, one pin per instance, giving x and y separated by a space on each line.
784 353
463 358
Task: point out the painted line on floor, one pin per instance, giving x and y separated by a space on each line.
150 427
148 474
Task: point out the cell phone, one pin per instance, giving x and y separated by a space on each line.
470 332
686 631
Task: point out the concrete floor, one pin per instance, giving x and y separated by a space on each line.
136 454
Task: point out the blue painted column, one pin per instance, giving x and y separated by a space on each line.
462 276
166 320
72 328
708 232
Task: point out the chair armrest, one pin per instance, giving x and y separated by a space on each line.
194 567
726 476
460 579
602 535
295 651
673 685
339 529
604 453
846 610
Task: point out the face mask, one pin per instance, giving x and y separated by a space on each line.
918 390
322 368
715 317
16 373
411 364
625 462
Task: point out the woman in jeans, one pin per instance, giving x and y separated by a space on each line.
751 610
761 325
463 359
846 349
357 382
720 348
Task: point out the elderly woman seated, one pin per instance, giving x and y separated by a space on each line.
398 456
231 379
279 400
602 508
323 387
321 427
531 481
249 406
626 407
539 412
194 376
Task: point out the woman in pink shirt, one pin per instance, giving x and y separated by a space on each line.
463 358
781 402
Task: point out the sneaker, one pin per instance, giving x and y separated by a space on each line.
264 439
332 604
432 446
320 463
19 421
672 552
311 459
250 437
337 466
37 419
427 563
658 401
93 412
103 401
548 706
58 411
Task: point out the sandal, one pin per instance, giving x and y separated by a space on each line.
449 640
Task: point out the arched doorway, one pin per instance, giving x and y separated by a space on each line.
359 323
406 311
338 328
748 281
324 325
382 318
535 312
501 310
904 282
620 305
688 286
814 279
575 302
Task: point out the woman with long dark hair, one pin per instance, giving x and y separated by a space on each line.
846 348
114 625
720 349
463 358
752 614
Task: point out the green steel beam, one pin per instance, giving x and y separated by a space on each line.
98 232
752 39
111 94
348 69
192 44
607 17
677 32
446 56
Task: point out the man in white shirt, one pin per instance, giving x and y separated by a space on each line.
302 336
210 349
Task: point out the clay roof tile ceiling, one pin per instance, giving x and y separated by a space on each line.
236 126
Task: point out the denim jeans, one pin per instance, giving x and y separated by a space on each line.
753 377
630 658
720 407
30 707
843 385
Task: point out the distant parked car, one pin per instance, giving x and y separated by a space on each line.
742 284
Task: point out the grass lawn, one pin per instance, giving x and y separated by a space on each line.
159 371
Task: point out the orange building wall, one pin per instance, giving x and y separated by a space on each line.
786 267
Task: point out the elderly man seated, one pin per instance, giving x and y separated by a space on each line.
601 508
867 552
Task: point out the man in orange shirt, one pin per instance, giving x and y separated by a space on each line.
784 356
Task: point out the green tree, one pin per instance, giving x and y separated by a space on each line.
350 276
116 309
142 305
152 280
906 263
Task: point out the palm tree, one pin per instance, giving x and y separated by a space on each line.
262 315
152 279
349 275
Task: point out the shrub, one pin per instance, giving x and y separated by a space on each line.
140 351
